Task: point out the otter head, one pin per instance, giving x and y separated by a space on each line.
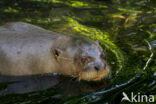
81 57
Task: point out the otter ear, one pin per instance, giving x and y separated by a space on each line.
57 53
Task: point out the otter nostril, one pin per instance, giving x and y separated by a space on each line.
96 68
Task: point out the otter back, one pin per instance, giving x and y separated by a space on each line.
25 49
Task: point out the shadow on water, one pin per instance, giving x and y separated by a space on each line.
56 86
121 28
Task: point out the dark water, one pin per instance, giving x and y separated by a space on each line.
126 29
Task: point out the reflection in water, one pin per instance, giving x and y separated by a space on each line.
69 86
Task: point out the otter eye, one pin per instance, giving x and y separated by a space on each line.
87 59
103 55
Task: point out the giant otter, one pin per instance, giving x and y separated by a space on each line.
26 49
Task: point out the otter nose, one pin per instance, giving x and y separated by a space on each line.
98 67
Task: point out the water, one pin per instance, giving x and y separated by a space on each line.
126 29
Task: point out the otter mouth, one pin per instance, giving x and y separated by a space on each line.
94 76
100 77
97 79
91 78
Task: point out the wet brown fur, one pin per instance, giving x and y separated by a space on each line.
26 49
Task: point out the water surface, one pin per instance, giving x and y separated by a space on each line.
126 29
